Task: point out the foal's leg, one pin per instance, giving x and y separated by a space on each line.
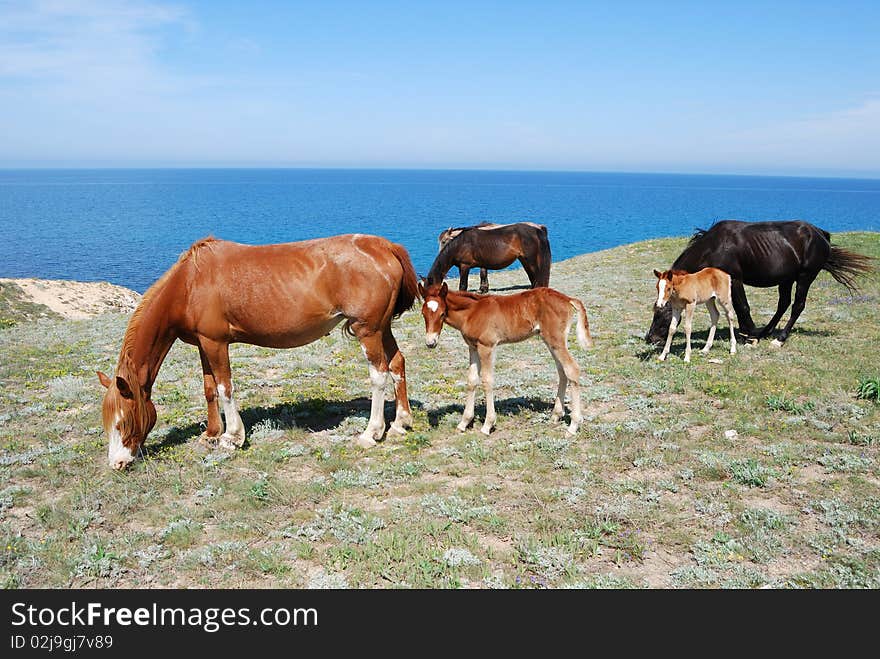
569 373
688 325
473 379
396 364
728 309
713 315
215 423
558 407
487 373
484 280
217 355
371 343
673 325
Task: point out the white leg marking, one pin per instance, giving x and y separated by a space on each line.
376 426
234 435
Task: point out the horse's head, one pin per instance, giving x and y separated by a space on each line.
665 287
128 417
662 312
447 235
434 310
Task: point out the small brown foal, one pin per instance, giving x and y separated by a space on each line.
685 291
485 321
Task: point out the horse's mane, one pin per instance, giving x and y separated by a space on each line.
698 234
475 226
442 263
136 317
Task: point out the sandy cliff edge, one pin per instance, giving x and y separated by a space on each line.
75 299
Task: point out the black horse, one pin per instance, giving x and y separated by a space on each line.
493 246
765 254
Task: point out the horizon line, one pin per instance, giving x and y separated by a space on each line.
860 176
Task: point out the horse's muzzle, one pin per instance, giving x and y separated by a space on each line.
431 340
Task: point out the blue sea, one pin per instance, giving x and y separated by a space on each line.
128 226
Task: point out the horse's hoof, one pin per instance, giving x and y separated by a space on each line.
776 343
687 360
365 441
572 429
661 358
462 427
554 418
486 431
397 429
208 441
231 442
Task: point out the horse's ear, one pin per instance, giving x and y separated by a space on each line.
658 274
444 289
124 390
421 289
103 379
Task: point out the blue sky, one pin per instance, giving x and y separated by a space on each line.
744 87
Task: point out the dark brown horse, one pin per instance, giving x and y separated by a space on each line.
765 254
450 233
493 246
276 296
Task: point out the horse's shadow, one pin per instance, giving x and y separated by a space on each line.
504 407
698 340
520 287
312 414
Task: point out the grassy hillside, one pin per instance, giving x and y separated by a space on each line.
653 492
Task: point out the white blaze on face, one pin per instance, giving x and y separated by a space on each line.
117 455
431 337
661 292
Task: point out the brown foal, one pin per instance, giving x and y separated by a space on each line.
685 291
485 321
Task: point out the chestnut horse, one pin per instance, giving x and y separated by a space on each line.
493 246
485 321
275 296
684 292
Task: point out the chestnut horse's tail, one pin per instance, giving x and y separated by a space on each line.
409 283
845 266
583 325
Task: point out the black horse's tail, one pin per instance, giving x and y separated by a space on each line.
845 266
